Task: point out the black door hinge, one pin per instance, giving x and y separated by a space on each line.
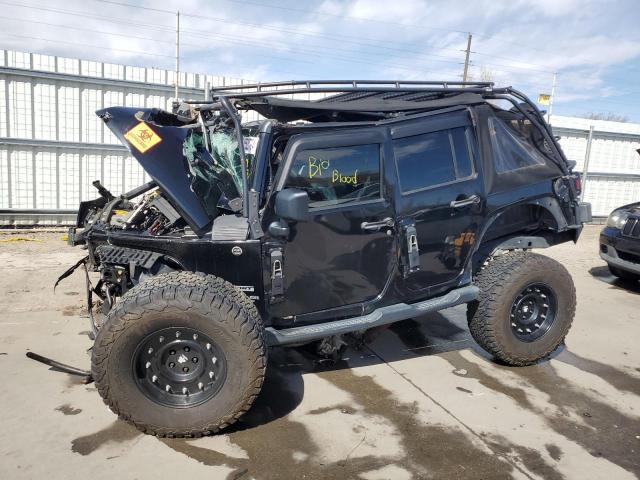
277 275
412 251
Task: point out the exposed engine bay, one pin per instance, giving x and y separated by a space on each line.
151 214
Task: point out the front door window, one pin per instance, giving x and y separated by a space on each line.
337 176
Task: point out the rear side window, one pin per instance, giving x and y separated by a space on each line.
432 159
510 150
336 176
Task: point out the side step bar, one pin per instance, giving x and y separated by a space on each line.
380 316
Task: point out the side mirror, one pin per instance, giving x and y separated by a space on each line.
292 204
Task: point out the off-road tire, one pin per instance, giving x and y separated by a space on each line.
624 274
181 299
500 281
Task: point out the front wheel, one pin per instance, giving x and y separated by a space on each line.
525 309
181 355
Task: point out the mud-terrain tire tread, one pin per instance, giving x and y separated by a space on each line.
209 290
493 280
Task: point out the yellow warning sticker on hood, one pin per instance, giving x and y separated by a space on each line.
142 138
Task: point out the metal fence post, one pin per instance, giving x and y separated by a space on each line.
585 168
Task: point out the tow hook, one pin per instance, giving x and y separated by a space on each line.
61 367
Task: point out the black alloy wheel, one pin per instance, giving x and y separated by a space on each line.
179 367
533 311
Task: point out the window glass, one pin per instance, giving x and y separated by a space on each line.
461 147
333 176
510 151
424 160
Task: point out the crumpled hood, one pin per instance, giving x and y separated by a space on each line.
158 149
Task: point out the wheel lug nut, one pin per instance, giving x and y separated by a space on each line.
200 385
154 379
195 336
161 339
185 369
172 352
214 360
168 388
171 364
208 346
194 359
177 334
150 351
210 374
147 365
186 349
184 390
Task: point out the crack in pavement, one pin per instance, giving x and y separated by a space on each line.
489 445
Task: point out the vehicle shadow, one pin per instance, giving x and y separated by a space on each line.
283 389
603 274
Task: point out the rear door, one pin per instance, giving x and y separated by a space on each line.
343 255
439 199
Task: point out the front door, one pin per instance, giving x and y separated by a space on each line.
344 253
440 194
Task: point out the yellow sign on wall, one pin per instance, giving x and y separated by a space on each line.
142 137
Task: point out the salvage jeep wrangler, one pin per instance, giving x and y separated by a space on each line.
348 205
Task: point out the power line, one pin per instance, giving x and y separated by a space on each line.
330 37
88 30
87 15
299 10
167 29
204 34
333 37
373 20
308 50
229 38
101 47
348 17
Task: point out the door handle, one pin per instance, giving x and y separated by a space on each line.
385 223
465 202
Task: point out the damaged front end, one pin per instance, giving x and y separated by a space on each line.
199 177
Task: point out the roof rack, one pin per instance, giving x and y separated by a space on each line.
486 89
344 86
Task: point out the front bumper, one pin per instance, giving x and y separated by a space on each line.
620 251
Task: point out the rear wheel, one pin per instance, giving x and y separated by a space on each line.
525 308
624 274
181 355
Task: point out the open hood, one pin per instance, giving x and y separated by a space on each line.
173 153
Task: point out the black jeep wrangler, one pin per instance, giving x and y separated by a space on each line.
351 205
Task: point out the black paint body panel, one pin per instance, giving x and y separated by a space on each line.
201 255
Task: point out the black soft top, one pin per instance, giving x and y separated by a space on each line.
356 106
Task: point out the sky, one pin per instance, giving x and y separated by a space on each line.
593 46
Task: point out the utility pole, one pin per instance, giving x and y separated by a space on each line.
585 168
177 55
553 92
466 59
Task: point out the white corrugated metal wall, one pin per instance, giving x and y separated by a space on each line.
613 178
52 145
